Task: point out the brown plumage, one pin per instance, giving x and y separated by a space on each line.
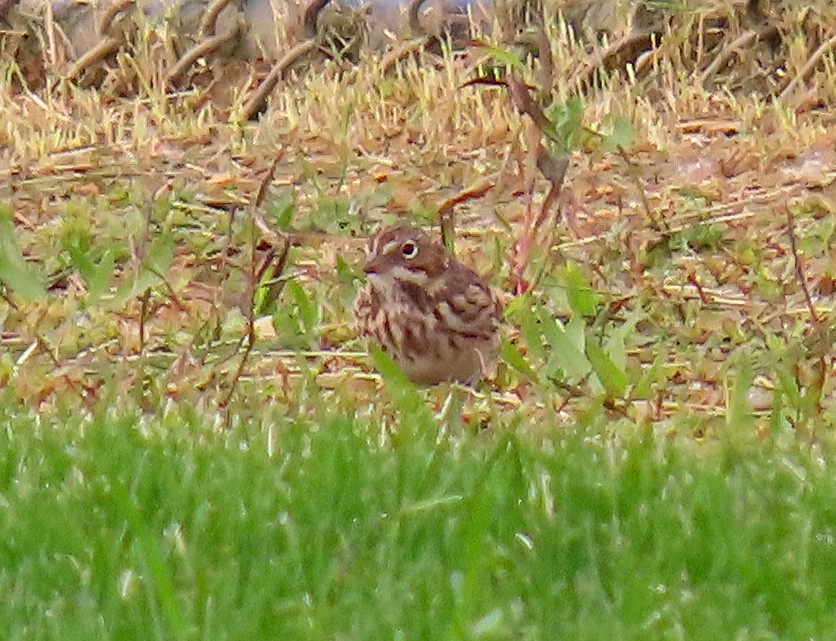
437 319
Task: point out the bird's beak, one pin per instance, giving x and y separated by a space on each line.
372 266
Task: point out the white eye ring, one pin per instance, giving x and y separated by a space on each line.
409 250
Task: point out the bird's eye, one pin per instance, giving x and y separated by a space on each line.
409 250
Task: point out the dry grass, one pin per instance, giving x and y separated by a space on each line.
137 214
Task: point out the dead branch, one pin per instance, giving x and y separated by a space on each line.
808 67
310 18
98 53
258 99
413 13
799 272
205 48
208 22
404 51
554 170
642 38
633 172
256 276
143 318
743 40
109 15
445 209
469 193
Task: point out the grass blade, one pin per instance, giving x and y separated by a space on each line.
14 272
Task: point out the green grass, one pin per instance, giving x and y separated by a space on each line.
120 527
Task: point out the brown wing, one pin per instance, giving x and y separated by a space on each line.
473 309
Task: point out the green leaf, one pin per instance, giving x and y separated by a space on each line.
161 253
260 296
98 284
14 272
641 390
738 411
564 353
531 333
402 391
616 350
778 413
567 121
622 135
703 236
613 378
308 313
96 277
503 56
583 299
281 209
511 355
576 332
79 253
788 384
131 289
345 273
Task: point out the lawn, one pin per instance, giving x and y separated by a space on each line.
129 527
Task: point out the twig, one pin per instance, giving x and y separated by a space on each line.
94 55
520 93
5 296
659 222
554 170
205 48
250 338
413 13
256 274
551 164
143 315
405 50
258 100
632 39
276 282
109 15
799 273
138 251
170 290
808 67
310 18
261 194
445 210
546 77
278 266
820 333
208 21
729 50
